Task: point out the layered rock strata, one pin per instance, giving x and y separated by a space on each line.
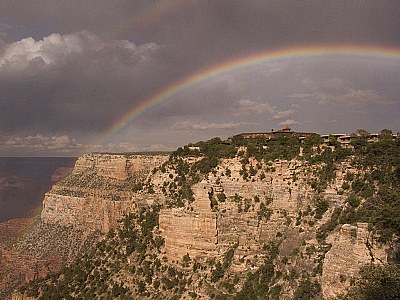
87 213
250 212
100 191
352 248
189 233
118 166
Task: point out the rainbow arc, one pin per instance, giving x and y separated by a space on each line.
268 56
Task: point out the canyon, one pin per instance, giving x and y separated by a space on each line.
275 203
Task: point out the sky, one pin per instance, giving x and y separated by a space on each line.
112 76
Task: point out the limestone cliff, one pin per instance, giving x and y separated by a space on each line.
352 248
84 213
118 166
251 215
238 214
100 191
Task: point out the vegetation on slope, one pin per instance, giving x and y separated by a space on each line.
95 274
128 263
376 282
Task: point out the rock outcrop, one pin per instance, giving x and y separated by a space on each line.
252 214
84 213
352 248
189 233
18 296
271 202
118 166
100 191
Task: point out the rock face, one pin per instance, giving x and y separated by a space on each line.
229 209
99 192
87 213
18 296
189 233
352 248
238 219
112 166
118 166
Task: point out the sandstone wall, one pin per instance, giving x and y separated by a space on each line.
88 208
188 233
352 248
118 166
84 213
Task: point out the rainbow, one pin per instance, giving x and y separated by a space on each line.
229 65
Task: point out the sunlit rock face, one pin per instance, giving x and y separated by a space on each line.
352 248
118 166
99 191
89 213
227 211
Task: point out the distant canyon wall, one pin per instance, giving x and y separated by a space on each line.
118 166
85 207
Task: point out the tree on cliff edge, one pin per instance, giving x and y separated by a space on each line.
377 282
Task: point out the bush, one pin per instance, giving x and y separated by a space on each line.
221 197
377 282
353 200
321 207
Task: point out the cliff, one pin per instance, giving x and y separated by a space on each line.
252 213
352 248
84 213
100 191
118 166
201 225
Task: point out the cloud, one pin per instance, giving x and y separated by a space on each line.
249 107
301 95
67 82
65 145
3 31
155 147
188 125
340 91
283 114
116 147
355 97
73 68
52 49
41 144
57 48
289 122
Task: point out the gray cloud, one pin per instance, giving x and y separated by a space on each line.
289 122
283 114
340 91
72 82
57 145
188 125
74 68
247 107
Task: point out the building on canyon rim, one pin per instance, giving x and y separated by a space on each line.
344 139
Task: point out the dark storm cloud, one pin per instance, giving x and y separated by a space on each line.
74 68
72 82
217 27
43 17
